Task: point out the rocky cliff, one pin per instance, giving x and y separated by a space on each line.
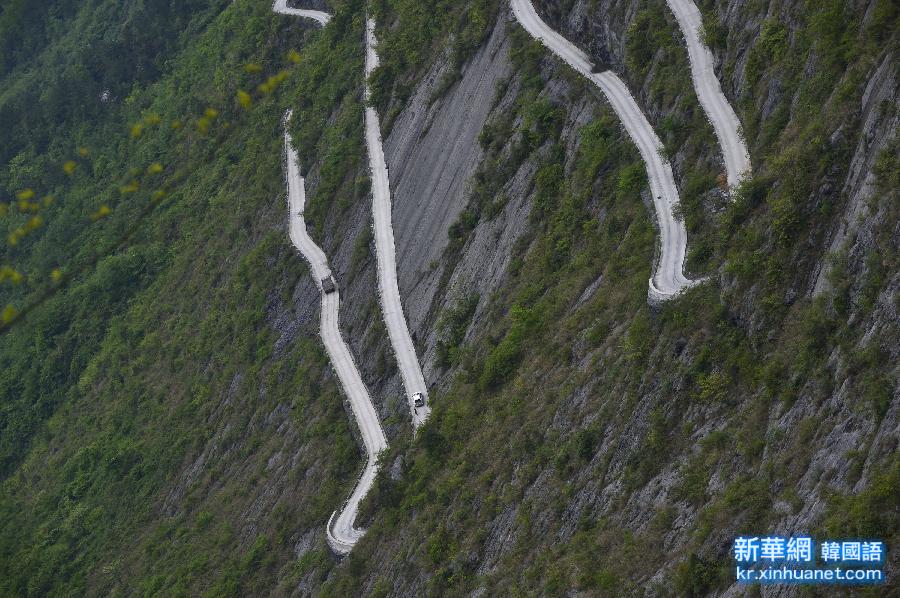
582 442
622 449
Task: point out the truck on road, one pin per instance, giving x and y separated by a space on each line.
328 284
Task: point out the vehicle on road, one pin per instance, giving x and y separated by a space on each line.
418 400
328 285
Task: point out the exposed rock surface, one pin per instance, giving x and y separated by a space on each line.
432 152
433 149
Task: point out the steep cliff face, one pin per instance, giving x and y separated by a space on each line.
581 442
573 427
762 49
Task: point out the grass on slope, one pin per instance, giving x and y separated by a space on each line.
140 404
568 417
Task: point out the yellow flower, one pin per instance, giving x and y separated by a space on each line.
9 312
84 152
28 206
157 195
69 167
244 99
131 187
272 82
25 195
11 274
152 119
293 56
253 68
33 223
155 168
102 212
211 113
56 275
137 129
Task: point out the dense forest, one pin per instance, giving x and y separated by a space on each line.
169 420
123 93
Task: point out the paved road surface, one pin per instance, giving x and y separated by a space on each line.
281 8
725 122
669 278
388 289
340 531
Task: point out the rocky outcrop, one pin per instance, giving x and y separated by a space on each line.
433 150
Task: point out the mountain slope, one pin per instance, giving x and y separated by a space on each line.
625 430
185 396
581 440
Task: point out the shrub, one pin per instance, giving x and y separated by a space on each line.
713 387
873 513
548 181
631 179
697 576
638 340
502 361
452 327
769 48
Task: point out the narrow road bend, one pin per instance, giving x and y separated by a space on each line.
668 280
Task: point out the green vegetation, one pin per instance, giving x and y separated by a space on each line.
872 513
452 327
162 432
165 353
501 362
581 402
412 33
96 48
770 47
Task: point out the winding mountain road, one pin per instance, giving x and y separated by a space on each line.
724 121
282 8
340 531
341 534
669 279
386 259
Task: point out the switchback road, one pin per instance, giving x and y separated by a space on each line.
669 279
724 121
340 531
